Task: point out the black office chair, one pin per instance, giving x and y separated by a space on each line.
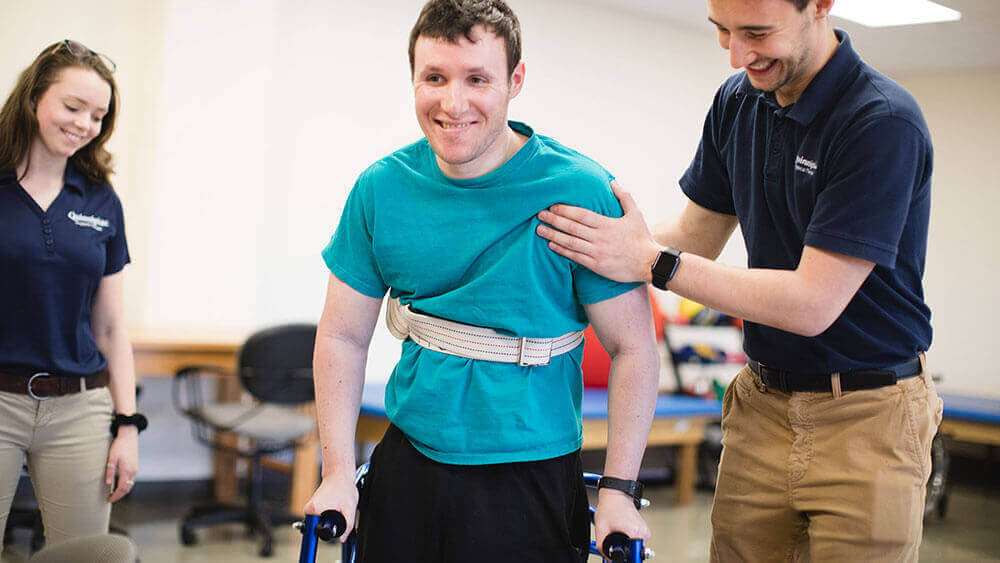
275 368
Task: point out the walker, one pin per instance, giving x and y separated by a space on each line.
330 525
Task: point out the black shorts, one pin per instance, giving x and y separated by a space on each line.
414 509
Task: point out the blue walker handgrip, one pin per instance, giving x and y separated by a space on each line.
619 548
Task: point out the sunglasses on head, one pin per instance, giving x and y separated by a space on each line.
81 51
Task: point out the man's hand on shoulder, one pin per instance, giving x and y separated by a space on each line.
621 249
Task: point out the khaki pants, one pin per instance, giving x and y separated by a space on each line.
819 477
65 441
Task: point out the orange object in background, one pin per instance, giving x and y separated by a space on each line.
597 363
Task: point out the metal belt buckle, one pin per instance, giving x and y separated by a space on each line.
32 380
523 361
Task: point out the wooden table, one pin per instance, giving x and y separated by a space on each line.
971 419
678 421
161 352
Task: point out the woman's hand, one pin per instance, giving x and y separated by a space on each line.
123 462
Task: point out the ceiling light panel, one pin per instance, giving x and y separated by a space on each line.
886 13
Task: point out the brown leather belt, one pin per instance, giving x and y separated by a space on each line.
43 385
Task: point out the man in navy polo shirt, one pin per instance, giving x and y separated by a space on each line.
825 165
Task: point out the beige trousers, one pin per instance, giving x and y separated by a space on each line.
65 441
819 477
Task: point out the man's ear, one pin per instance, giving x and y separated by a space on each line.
516 80
823 8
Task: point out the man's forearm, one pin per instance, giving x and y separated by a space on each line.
804 301
689 235
339 374
632 389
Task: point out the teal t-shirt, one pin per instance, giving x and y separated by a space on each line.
466 250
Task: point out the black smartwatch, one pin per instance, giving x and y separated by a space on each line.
137 420
630 488
665 267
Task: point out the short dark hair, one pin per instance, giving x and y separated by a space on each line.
450 19
800 4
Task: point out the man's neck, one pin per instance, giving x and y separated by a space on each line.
790 93
507 145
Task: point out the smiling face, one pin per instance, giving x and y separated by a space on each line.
780 47
461 94
70 112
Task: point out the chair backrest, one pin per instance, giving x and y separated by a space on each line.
275 364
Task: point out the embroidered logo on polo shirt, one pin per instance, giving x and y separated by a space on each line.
96 223
803 164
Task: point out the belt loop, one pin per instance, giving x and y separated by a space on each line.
928 378
83 384
757 375
835 385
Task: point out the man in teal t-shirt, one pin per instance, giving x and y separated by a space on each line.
446 226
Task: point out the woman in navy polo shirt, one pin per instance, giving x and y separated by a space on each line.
65 358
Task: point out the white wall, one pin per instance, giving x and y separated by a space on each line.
963 248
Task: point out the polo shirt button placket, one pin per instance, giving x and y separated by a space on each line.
50 243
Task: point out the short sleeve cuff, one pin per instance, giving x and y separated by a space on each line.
598 294
373 290
832 242
117 266
690 189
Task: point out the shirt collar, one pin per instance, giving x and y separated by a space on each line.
72 178
8 178
75 179
824 88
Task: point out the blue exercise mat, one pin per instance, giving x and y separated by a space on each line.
976 409
595 404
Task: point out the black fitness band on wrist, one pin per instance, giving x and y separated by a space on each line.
630 488
139 421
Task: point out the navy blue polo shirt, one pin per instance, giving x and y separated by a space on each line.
846 168
52 263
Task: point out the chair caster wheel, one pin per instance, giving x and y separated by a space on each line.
187 536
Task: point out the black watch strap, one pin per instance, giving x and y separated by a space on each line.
665 267
138 420
631 488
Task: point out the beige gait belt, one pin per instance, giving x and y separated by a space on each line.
474 342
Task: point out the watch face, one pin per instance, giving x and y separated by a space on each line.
664 267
